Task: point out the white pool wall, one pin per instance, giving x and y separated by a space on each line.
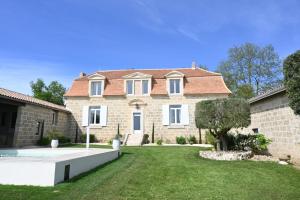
50 171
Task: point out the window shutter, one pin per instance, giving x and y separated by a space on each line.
165 114
103 116
85 116
185 114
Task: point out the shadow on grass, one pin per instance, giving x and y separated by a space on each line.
84 174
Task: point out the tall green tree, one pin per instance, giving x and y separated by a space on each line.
291 68
53 93
251 66
221 115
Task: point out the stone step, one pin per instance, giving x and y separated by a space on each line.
134 140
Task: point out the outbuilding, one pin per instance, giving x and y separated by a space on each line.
24 119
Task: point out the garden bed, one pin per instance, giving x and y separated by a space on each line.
226 155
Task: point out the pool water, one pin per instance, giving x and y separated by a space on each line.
40 153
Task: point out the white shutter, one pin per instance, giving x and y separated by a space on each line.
103 115
85 116
165 114
185 120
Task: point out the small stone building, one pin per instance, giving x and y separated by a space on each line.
272 116
24 119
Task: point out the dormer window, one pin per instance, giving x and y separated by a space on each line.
96 85
137 84
96 88
174 86
175 82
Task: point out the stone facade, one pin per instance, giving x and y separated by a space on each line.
274 118
26 131
120 111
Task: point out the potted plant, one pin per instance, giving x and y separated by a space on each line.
54 135
116 140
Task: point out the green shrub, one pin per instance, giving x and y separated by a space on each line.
192 139
180 140
64 140
159 142
146 139
45 141
54 135
256 142
261 144
110 142
92 138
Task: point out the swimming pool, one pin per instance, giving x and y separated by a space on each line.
39 153
47 167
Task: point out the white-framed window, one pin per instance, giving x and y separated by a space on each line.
129 87
137 87
145 87
174 86
175 114
94 115
96 88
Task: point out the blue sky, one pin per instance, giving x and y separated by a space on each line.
56 39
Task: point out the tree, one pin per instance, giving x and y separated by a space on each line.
53 93
221 115
251 65
291 68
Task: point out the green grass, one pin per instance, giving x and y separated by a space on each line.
171 173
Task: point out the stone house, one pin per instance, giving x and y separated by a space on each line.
272 116
138 100
24 119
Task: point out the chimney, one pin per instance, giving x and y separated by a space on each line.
82 74
194 65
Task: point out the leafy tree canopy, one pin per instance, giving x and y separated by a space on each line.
252 66
291 67
53 92
221 115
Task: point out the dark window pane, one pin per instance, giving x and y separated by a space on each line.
97 116
178 113
92 117
172 116
130 87
171 86
145 87
177 85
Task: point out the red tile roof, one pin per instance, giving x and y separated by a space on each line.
197 81
15 96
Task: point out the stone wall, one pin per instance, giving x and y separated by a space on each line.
119 111
26 125
274 118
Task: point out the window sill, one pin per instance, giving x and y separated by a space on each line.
95 126
95 96
176 126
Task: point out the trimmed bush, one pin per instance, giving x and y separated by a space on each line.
180 140
145 139
92 138
192 139
45 141
159 142
64 140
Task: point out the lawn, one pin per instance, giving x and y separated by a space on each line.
171 173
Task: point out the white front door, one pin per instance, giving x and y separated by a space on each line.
137 122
